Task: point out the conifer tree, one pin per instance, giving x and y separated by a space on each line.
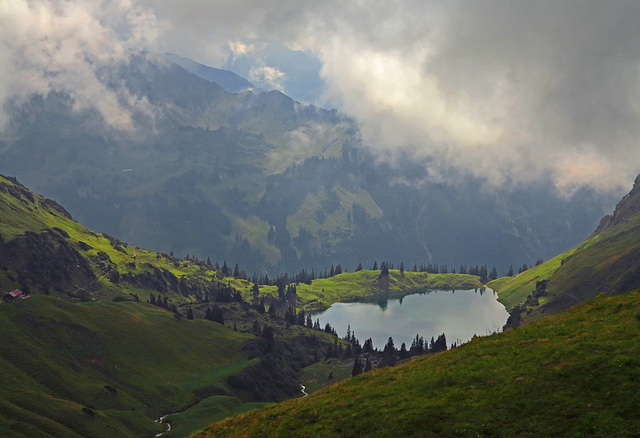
357 367
217 315
390 347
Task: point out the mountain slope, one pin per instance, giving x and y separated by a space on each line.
607 262
107 369
228 80
573 374
269 183
43 250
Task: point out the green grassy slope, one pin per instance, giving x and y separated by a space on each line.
125 364
349 286
514 290
574 374
113 268
608 262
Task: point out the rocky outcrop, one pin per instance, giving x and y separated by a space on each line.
515 317
45 262
627 207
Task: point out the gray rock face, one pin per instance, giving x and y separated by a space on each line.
627 207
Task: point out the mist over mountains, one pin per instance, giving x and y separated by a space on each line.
269 183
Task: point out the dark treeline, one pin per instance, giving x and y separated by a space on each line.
305 276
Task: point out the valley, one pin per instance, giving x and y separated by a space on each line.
192 255
113 336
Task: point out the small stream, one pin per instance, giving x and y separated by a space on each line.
161 420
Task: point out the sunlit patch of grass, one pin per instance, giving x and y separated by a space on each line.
349 286
514 290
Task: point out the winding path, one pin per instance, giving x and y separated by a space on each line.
161 420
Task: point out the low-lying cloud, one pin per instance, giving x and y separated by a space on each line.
60 47
509 91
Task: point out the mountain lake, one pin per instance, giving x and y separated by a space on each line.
459 314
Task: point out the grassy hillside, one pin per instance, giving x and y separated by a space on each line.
108 369
574 374
608 262
81 264
514 290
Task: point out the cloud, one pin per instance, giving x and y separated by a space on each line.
238 48
268 77
61 47
509 91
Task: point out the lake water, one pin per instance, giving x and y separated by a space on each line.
459 315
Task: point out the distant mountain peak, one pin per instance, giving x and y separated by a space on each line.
228 80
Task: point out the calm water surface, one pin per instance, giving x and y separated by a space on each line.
459 315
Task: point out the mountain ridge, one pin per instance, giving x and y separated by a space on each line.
270 183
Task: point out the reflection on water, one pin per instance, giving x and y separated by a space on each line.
458 314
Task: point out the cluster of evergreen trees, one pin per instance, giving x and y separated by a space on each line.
390 355
162 302
292 317
306 277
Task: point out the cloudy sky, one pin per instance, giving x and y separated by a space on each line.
510 90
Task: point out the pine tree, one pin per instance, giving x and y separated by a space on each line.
510 272
389 348
357 367
217 315
189 313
